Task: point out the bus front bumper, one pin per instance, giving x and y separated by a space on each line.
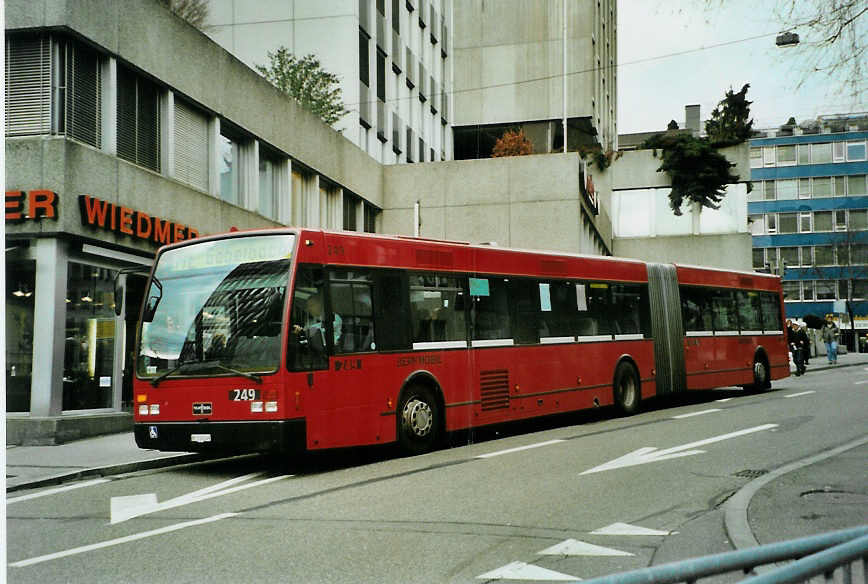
222 437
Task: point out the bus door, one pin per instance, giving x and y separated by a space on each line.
667 329
494 363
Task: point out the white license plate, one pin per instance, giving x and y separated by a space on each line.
201 438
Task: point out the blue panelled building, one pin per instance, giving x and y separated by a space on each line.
808 212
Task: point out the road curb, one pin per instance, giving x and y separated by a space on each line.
735 509
103 471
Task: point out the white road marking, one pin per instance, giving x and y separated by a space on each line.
56 490
860 382
574 547
118 541
627 529
652 454
692 414
800 394
723 400
518 449
124 508
523 571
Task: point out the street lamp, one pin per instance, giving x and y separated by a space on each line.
787 39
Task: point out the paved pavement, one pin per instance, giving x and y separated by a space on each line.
841 474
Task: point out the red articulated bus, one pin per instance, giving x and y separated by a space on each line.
300 338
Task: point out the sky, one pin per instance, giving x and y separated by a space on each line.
674 53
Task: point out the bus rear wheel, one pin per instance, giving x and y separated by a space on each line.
626 389
419 420
761 377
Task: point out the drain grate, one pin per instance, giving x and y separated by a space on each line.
750 474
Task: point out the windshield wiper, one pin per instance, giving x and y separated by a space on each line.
198 366
220 365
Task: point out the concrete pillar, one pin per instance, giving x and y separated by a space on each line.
108 106
214 156
284 192
167 133
49 328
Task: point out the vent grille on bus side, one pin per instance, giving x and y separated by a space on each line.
494 389
432 257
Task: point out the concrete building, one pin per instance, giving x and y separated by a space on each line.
809 213
529 65
127 129
645 227
393 58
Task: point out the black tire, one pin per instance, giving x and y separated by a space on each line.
626 388
761 376
420 420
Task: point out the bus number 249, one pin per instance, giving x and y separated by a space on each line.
243 394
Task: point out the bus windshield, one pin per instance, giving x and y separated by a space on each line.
216 307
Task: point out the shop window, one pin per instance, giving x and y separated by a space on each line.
88 362
138 123
20 298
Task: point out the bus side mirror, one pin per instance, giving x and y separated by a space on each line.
150 308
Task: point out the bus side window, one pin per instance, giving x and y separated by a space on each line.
594 309
308 330
525 298
725 316
436 308
489 313
391 310
771 312
352 310
696 309
628 308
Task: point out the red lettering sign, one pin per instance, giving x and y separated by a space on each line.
104 215
41 204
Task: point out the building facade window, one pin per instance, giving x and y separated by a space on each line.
268 183
855 151
856 185
82 93
191 145
28 85
370 218
138 119
821 153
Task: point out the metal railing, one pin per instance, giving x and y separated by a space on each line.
817 555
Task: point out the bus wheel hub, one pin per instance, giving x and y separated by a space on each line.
418 417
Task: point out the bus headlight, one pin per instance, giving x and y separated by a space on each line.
271 406
155 409
143 410
256 407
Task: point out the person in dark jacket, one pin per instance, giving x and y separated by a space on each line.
802 347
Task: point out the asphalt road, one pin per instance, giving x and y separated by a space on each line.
573 497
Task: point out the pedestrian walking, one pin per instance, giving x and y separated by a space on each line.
802 346
830 333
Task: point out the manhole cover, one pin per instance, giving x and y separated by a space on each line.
750 474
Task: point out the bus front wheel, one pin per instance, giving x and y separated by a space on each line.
626 389
418 420
761 376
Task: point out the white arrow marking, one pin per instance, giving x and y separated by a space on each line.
627 529
574 547
522 571
652 454
124 508
118 541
